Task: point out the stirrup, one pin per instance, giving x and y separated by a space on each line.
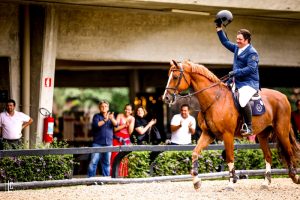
246 131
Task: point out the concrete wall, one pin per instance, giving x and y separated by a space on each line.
118 35
9 46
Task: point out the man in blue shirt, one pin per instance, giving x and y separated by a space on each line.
245 74
102 129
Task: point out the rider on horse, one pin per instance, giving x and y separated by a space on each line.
245 75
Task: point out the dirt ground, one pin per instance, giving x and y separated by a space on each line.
246 189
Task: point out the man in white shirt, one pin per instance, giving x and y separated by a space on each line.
11 124
183 126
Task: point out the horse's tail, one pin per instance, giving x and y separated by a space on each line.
295 149
295 146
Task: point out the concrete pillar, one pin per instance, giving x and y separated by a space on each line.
46 86
26 70
134 85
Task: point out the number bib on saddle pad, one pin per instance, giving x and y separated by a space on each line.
256 103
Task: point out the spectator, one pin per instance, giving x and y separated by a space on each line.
183 126
122 136
141 126
102 130
11 124
296 120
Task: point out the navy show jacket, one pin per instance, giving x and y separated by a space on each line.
245 65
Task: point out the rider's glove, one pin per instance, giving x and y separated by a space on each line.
231 74
218 23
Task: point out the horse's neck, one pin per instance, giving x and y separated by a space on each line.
205 94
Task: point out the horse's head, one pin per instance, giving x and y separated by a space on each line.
178 81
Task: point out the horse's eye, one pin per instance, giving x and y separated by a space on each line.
175 77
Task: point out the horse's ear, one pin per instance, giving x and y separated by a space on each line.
175 63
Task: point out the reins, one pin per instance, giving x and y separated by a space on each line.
222 79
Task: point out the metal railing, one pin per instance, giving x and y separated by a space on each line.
123 151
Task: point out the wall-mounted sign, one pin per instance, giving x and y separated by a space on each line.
48 82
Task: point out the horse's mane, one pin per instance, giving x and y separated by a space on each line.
201 69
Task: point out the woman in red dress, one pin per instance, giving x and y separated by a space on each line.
122 136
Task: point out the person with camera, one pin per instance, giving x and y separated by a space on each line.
102 128
245 74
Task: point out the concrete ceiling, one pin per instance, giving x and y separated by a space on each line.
285 9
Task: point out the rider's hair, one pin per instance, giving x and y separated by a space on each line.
246 34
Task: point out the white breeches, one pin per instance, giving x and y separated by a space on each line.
245 94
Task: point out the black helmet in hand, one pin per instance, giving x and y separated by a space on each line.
224 17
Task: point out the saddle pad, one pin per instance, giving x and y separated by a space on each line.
258 107
256 103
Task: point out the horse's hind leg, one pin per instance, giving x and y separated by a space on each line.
289 150
263 141
204 140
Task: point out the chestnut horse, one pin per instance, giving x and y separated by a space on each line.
219 119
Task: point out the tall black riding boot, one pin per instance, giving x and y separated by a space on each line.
247 126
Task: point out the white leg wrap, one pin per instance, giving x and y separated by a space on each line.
230 166
268 166
268 169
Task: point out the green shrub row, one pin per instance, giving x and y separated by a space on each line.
179 163
55 167
37 168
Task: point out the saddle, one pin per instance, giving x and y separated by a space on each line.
256 103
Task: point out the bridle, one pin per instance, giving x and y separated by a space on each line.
176 94
181 75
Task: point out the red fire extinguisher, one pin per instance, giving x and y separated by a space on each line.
48 125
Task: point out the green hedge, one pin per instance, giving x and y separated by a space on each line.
37 168
179 163
55 167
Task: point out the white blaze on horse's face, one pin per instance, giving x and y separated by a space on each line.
170 77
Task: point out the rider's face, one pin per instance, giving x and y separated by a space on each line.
240 40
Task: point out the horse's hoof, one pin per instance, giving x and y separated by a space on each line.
264 187
296 179
268 177
235 179
228 188
197 186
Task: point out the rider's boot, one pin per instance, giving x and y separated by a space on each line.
247 126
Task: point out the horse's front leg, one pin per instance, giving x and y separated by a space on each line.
202 143
264 145
228 143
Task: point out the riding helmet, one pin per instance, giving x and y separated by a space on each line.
225 16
